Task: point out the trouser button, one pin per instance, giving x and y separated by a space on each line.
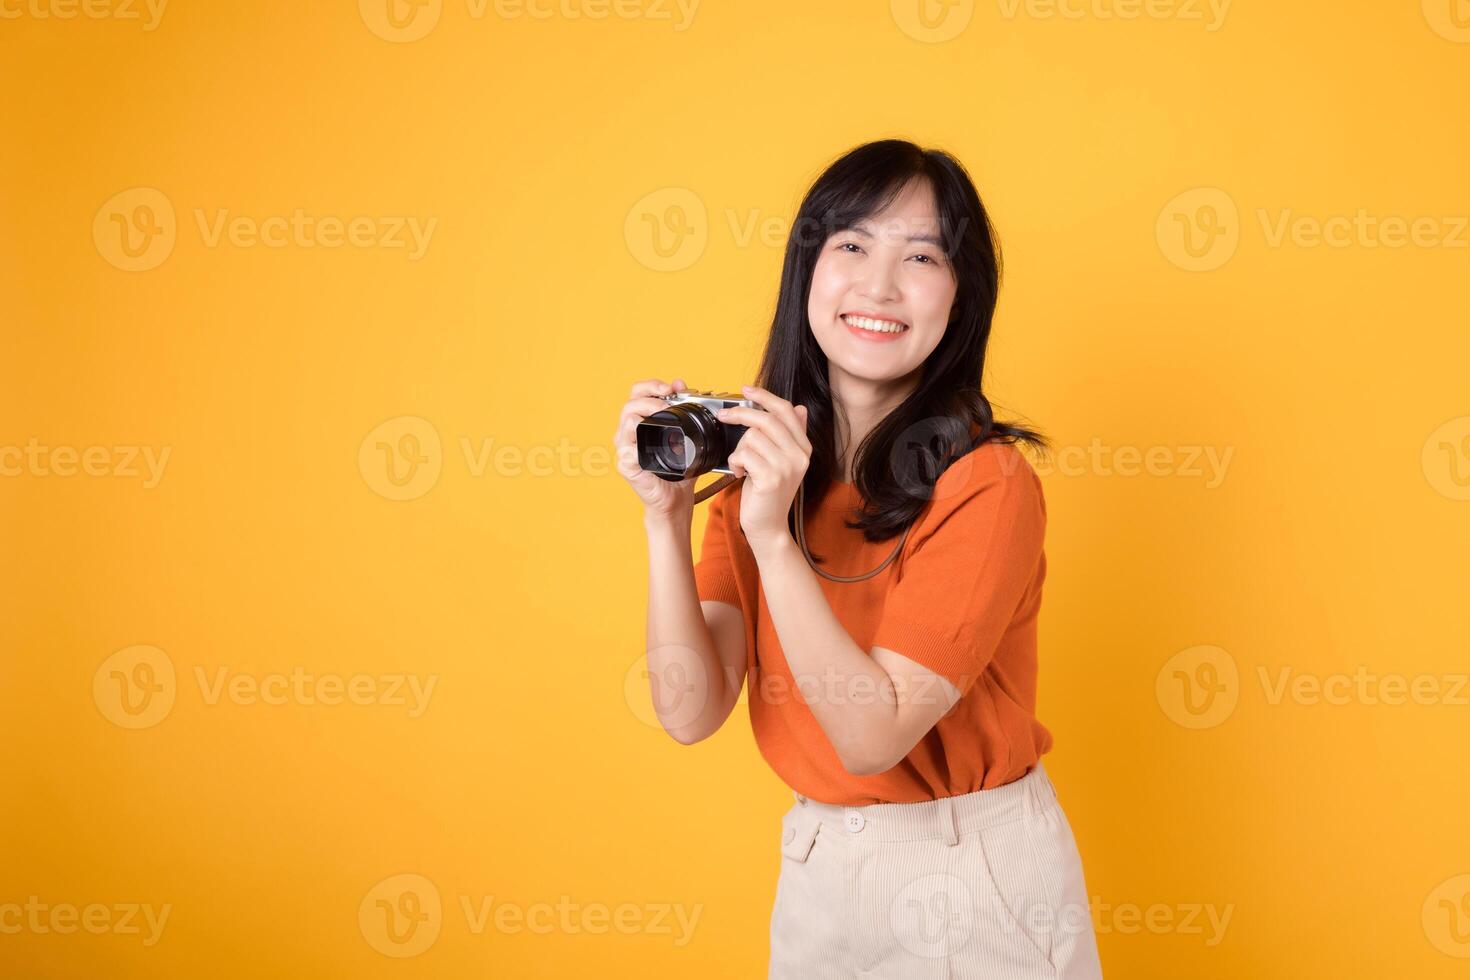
854 821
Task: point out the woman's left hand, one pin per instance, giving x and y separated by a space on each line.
772 455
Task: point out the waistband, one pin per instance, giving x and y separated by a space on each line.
946 817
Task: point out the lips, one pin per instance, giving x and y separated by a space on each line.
874 329
874 323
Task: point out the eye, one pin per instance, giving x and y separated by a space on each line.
843 247
924 257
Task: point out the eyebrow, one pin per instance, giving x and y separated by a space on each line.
930 239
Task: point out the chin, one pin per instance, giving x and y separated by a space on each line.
876 373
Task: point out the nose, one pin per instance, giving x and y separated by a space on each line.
878 283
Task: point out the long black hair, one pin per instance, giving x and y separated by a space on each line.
900 460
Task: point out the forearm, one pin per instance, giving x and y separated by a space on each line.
686 681
852 697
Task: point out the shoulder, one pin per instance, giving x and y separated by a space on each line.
990 487
994 468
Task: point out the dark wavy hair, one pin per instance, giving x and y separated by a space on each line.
900 460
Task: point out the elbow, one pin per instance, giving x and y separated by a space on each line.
688 735
699 728
877 756
867 763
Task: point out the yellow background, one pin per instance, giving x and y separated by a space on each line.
548 150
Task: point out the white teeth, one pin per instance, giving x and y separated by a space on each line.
877 326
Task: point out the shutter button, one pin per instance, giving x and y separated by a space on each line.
789 836
855 821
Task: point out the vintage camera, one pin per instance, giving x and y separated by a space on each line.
686 439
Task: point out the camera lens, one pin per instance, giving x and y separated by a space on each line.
673 451
676 443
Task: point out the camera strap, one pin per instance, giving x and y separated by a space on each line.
801 541
713 488
728 479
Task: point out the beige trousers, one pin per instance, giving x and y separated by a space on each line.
987 885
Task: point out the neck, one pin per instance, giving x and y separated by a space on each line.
860 404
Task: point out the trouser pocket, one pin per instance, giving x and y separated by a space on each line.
1004 859
932 909
798 835
1070 939
808 927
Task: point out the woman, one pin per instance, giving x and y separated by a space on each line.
892 673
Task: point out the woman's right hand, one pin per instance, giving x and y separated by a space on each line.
659 496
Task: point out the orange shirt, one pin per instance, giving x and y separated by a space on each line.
961 599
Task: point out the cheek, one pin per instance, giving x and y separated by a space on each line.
933 302
828 286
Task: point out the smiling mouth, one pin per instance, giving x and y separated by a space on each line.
874 325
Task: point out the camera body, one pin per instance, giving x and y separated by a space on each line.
686 440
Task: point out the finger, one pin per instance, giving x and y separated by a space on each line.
781 409
635 411
627 461
781 461
748 454
626 452
653 386
625 441
643 407
759 461
758 421
750 465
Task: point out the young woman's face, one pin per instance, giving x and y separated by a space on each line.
882 291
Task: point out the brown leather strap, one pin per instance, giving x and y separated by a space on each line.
714 488
727 479
801 541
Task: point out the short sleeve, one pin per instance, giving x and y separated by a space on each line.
977 549
714 573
